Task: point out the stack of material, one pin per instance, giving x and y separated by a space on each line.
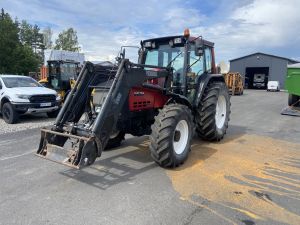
234 82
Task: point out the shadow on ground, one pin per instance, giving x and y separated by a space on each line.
133 158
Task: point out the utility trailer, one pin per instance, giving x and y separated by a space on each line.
292 85
170 94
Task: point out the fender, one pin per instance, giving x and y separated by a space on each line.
178 99
203 81
4 99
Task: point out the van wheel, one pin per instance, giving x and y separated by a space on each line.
9 114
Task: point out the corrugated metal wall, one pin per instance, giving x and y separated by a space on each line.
277 66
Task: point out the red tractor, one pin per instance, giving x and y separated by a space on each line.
169 95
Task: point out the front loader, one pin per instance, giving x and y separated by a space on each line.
171 93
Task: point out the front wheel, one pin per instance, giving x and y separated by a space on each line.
115 140
172 131
9 114
53 114
213 112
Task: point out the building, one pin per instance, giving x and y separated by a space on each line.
259 68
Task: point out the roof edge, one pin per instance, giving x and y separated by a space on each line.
261 53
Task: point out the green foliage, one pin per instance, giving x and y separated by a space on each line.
19 46
67 40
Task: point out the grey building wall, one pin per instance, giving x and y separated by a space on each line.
277 66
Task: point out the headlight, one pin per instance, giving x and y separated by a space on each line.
23 96
148 44
177 41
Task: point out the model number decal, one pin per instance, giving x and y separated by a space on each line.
151 73
138 93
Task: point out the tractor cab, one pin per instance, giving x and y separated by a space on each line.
189 58
62 73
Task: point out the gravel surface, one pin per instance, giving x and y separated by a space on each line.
25 122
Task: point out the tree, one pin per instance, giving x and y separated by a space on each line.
67 40
30 35
47 33
16 56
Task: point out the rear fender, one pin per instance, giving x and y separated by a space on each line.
203 81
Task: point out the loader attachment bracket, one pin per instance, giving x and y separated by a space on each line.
68 149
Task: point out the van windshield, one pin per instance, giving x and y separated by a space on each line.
13 82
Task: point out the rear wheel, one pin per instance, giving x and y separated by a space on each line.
172 131
293 99
9 114
213 112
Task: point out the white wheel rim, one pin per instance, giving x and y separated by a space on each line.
181 136
220 111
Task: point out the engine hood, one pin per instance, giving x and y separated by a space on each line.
32 91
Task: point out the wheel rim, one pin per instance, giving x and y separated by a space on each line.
220 111
181 136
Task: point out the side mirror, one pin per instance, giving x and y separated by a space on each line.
198 47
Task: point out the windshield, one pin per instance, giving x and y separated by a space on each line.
163 55
68 70
13 82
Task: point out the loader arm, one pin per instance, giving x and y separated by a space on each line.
77 144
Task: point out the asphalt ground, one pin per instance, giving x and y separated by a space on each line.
250 177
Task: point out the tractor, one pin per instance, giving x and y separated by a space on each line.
172 93
61 76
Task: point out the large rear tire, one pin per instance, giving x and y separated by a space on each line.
213 113
172 131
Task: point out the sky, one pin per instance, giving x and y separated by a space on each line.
237 27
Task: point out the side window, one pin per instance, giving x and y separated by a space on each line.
0 85
208 59
196 63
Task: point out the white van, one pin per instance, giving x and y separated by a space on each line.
273 86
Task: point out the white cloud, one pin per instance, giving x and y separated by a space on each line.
237 27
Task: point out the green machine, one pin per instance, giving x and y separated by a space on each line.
292 84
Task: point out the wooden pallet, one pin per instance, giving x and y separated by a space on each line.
234 82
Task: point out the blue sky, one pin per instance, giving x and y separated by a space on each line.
237 27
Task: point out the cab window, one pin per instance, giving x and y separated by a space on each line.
196 64
208 59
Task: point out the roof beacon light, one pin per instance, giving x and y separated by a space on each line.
186 33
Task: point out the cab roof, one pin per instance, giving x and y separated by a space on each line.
167 38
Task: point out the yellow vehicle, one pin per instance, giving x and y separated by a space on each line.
60 75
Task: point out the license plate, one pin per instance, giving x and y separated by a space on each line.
45 104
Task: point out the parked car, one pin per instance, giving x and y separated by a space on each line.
273 86
23 95
259 80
